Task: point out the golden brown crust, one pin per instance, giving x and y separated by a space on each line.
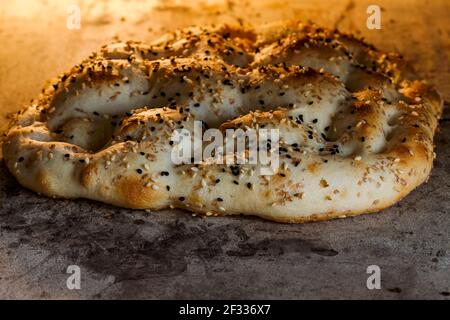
356 125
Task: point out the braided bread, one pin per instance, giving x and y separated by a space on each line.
355 125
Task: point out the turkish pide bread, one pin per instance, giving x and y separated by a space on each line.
355 124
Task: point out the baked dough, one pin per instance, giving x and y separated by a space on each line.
356 125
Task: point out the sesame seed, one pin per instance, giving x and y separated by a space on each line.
324 183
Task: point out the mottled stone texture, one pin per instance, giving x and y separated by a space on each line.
134 254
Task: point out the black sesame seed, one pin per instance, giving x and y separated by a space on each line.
21 159
139 171
235 170
181 198
219 199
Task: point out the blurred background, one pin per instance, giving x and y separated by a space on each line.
37 44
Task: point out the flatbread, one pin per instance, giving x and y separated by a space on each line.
356 125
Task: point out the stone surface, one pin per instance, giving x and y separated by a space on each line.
170 254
